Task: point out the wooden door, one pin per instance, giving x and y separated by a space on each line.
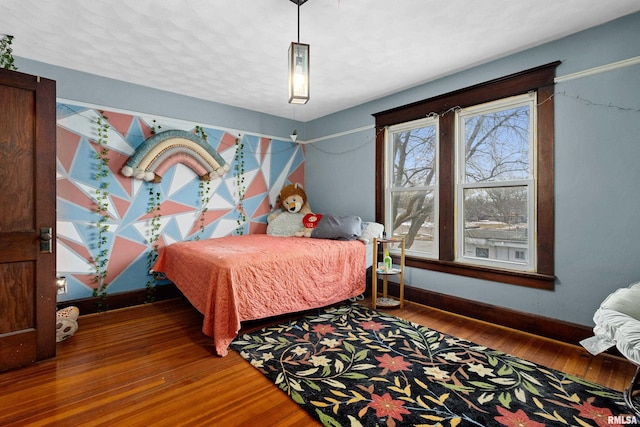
27 219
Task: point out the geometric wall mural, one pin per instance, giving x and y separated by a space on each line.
267 166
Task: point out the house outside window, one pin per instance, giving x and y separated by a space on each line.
482 252
467 179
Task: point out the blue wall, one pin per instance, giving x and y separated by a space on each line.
597 175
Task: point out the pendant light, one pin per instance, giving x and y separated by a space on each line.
298 67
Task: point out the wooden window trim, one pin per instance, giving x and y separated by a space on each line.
540 79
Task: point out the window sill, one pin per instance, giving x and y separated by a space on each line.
519 278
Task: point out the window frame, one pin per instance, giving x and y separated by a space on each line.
539 79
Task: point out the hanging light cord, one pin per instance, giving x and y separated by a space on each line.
298 20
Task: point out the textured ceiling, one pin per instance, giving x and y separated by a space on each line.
235 51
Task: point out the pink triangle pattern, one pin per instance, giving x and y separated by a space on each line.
119 121
71 142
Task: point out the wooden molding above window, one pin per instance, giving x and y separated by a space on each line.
539 79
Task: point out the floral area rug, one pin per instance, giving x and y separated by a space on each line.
354 366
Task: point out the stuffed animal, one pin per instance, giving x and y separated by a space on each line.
293 199
309 222
66 323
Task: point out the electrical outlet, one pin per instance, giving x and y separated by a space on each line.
61 285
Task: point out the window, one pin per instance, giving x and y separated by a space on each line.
468 179
412 189
495 182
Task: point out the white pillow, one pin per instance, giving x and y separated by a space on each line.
372 229
286 224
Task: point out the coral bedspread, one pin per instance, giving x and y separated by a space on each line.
236 278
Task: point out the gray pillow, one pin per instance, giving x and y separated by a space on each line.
338 227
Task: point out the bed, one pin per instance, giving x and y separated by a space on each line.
238 278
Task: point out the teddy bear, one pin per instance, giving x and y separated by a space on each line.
294 205
293 199
66 322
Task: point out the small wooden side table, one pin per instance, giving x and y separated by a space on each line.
396 270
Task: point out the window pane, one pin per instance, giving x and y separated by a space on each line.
497 145
414 156
496 224
413 214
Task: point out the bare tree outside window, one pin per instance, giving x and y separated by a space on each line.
497 145
414 154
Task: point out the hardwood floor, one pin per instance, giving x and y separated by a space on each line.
151 365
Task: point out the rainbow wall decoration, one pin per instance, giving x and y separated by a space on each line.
178 159
166 149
